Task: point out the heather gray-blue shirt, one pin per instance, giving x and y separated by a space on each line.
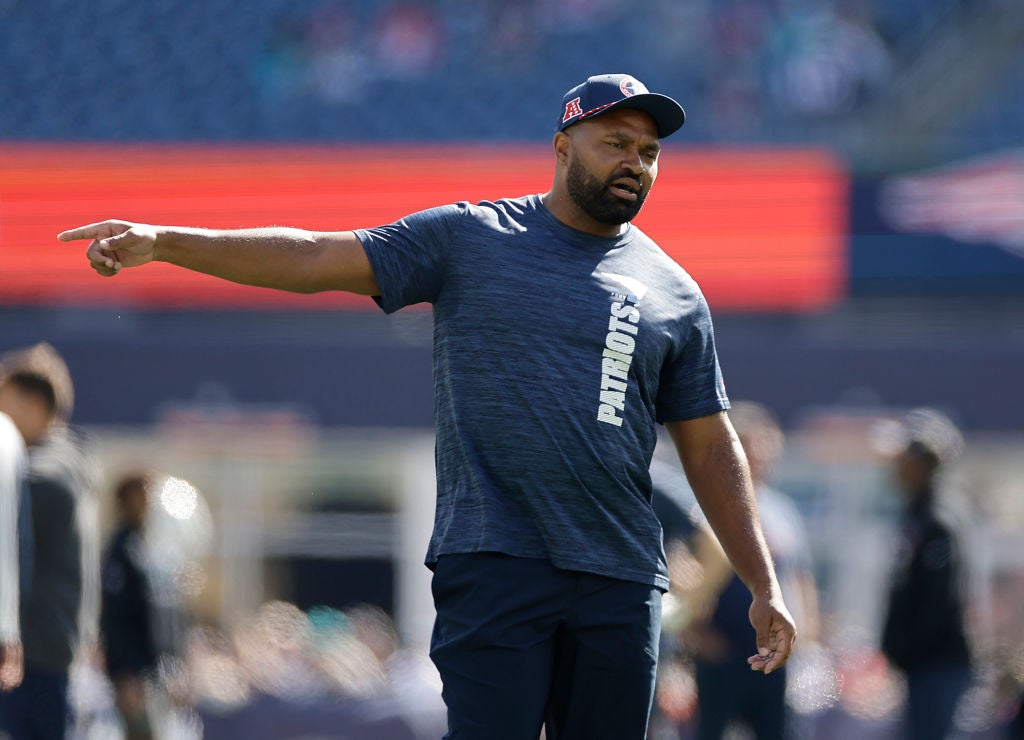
556 352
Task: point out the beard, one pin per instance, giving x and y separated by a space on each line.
597 201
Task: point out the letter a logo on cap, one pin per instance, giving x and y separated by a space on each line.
572 109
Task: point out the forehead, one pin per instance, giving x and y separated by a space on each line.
624 120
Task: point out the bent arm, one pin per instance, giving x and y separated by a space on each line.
718 472
719 475
284 258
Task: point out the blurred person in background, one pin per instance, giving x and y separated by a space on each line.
698 567
15 547
126 609
37 392
548 562
727 692
924 633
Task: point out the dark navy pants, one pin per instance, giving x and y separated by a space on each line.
729 691
933 694
38 709
520 644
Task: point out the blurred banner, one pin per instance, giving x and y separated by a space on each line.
760 230
958 229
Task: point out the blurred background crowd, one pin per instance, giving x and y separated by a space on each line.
284 449
913 79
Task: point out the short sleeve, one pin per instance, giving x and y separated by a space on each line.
691 383
408 257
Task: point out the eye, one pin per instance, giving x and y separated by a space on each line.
615 144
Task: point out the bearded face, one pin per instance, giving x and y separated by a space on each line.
614 201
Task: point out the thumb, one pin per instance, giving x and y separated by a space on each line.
761 622
117 241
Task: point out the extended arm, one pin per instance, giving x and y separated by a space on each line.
718 472
274 257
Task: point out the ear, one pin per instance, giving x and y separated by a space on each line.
562 143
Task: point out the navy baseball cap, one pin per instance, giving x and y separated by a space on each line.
602 93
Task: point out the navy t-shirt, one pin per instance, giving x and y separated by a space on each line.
555 354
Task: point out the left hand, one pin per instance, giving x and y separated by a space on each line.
776 633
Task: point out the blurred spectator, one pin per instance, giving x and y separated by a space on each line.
15 557
733 88
698 568
278 64
59 610
825 61
408 41
728 691
513 36
924 633
335 67
126 630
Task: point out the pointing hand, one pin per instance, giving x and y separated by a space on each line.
115 244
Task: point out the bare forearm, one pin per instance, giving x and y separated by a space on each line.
720 478
274 257
726 496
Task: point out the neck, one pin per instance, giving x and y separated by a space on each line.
563 208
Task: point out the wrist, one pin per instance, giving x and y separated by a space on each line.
160 244
766 588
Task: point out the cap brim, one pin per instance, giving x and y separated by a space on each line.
668 115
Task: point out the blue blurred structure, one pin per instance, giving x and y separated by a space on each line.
848 74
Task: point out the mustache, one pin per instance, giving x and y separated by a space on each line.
625 175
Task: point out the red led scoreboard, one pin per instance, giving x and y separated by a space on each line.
760 230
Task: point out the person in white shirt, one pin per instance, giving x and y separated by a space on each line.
12 472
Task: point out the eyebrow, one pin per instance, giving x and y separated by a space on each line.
654 147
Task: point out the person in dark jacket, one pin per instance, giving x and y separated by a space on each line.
126 616
38 394
924 633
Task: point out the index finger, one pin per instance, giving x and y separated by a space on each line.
97 230
781 650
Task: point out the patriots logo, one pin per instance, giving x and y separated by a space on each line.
630 87
635 289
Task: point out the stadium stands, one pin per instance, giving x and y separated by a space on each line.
747 70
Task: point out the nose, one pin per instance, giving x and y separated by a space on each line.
633 162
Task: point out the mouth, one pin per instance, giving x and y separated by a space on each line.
626 188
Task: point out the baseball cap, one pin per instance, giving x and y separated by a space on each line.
603 93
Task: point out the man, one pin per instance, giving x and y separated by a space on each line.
562 333
37 394
924 633
126 615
